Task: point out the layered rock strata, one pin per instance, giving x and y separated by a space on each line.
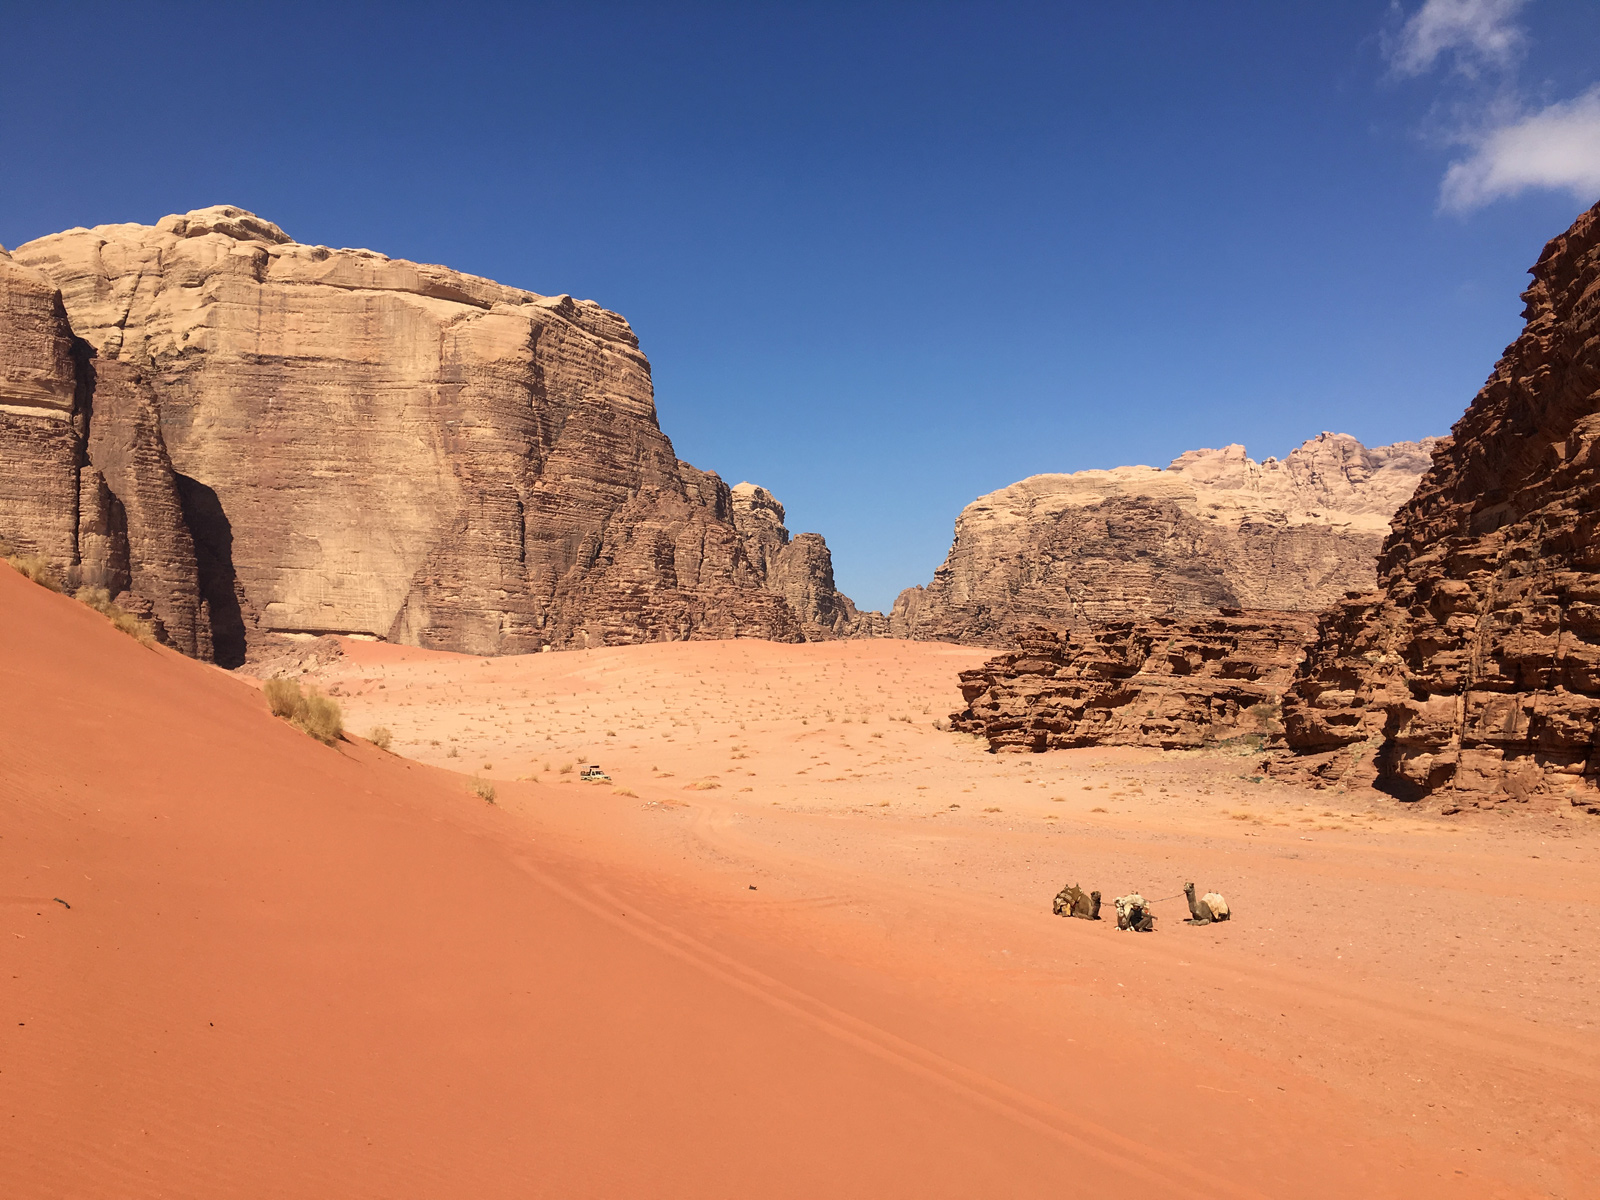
86 480
1473 674
799 569
1176 684
360 444
1214 529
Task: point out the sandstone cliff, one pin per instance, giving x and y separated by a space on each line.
361 444
86 482
1473 674
1168 683
800 570
1214 529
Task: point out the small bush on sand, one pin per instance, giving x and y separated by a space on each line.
566 768
34 567
100 600
484 790
308 711
321 718
380 737
283 697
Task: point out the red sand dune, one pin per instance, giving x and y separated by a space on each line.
292 970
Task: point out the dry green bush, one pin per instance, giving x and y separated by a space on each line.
483 789
308 711
100 600
283 696
36 568
380 737
321 718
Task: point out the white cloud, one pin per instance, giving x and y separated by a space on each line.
1478 32
1556 148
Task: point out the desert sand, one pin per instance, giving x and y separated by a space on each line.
801 945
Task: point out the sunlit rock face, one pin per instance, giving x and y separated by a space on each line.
366 445
1213 529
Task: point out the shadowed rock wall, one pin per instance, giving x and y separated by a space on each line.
1473 674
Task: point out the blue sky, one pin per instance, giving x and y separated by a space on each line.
887 257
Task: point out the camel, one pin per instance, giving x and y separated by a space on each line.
1073 901
1133 913
1210 907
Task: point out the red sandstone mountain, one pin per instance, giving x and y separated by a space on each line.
240 434
1473 675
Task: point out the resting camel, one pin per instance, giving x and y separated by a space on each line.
1133 913
1210 907
1073 901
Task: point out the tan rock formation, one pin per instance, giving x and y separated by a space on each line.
1213 529
1473 674
364 444
800 570
41 424
1176 684
86 481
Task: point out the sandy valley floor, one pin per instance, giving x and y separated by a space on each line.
800 946
1394 991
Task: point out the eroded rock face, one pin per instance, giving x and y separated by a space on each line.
86 482
1473 674
1214 529
41 417
799 569
148 551
1176 684
366 445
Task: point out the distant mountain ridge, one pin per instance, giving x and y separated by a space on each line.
1214 529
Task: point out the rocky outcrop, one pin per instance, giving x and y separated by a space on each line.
360 444
1214 529
41 417
1176 684
800 570
87 483
142 545
1473 674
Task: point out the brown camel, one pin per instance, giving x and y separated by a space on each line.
1210 907
1073 901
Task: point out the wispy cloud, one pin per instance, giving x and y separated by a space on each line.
1510 147
1557 148
1475 33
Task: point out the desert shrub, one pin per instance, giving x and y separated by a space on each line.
380 737
308 711
566 768
320 717
36 568
1268 716
283 697
100 600
484 790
